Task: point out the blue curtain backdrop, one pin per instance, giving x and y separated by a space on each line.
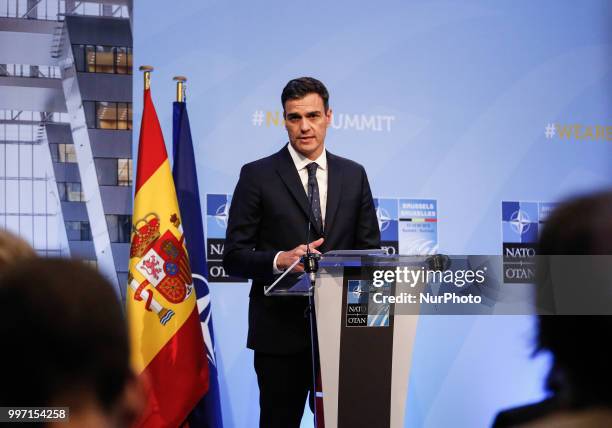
469 104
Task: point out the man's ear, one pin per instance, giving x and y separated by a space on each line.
328 116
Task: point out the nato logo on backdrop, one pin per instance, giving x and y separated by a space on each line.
521 224
408 226
217 212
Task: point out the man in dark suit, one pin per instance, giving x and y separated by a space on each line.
266 233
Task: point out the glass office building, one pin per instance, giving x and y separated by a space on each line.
66 129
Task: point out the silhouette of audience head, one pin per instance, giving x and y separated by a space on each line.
578 238
65 343
573 277
13 249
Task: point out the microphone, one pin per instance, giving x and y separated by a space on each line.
438 262
311 266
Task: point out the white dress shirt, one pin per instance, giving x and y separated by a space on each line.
300 161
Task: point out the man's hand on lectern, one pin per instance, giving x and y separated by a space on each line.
287 258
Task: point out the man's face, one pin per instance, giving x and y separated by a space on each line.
306 121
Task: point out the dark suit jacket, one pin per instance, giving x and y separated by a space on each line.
269 213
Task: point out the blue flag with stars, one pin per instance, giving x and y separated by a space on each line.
207 414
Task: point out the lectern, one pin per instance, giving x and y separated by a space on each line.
365 350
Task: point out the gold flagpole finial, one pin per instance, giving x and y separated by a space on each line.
180 88
147 69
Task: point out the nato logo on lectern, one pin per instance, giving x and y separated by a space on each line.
361 309
521 224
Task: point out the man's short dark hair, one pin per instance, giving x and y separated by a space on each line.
299 88
64 336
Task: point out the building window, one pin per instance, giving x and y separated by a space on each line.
89 108
70 192
102 59
90 59
108 115
119 228
105 61
54 152
123 60
124 172
66 153
125 115
78 231
91 263
114 172
79 57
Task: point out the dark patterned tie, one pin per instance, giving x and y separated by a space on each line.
313 187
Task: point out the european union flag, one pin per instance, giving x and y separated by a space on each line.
207 413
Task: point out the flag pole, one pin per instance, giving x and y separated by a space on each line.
147 69
180 88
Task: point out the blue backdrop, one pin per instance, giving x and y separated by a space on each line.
469 104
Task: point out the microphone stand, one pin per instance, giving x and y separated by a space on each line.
311 267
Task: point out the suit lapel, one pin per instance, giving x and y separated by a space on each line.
334 190
286 169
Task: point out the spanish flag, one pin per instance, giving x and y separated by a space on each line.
167 348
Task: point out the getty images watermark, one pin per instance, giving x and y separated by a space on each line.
478 285
415 278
